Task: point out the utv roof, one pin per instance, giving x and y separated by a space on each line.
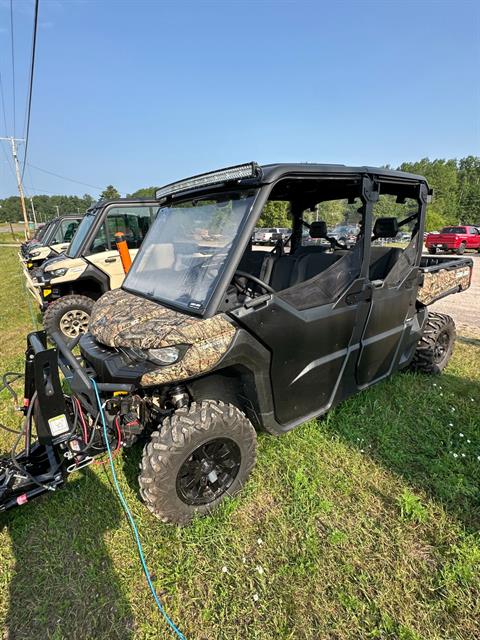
63 217
124 201
252 173
272 172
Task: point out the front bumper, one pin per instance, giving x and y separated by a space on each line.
443 246
34 288
112 364
42 291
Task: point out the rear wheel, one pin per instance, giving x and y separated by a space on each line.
461 248
68 315
432 250
435 347
200 455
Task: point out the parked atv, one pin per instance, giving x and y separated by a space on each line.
208 341
53 242
67 286
36 239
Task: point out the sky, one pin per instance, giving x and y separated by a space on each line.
141 93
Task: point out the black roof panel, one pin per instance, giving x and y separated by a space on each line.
272 172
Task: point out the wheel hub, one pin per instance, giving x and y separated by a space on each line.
441 347
208 472
74 322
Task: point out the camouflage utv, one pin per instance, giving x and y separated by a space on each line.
208 341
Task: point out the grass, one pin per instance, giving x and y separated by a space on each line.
363 525
8 238
6 235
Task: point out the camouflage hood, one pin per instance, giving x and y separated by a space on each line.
122 319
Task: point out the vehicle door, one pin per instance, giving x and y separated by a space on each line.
393 274
133 222
473 238
105 257
312 330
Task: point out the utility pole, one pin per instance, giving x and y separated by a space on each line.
58 209
34 214
13 144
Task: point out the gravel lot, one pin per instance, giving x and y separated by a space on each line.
464 307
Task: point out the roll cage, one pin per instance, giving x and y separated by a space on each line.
303 185
100 210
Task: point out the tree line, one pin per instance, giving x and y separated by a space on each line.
456 185
48 207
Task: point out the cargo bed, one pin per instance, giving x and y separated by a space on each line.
443 275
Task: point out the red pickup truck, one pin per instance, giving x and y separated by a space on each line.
454 239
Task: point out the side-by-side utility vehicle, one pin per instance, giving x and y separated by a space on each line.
66 287
208 341
53 242
36 238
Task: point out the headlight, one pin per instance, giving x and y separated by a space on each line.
34 254
56 273
166 355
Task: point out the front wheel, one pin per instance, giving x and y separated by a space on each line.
198 456
432 250
435 347
68 315
461 249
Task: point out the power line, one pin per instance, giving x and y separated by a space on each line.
13 66
29 188
2 95
8 160
57 175
30 90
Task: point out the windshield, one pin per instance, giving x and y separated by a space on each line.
41 232
80 235
187 249
50 232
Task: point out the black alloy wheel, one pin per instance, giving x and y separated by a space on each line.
199 456
209 471
441 347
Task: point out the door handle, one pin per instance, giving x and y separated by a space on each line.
110 259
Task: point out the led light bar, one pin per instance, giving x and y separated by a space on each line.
249 170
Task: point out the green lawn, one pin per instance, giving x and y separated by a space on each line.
363 525
7 238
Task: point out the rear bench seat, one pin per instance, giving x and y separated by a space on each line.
382 260
290 270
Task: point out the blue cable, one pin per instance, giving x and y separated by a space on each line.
126 508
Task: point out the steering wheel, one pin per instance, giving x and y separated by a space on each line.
248 276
